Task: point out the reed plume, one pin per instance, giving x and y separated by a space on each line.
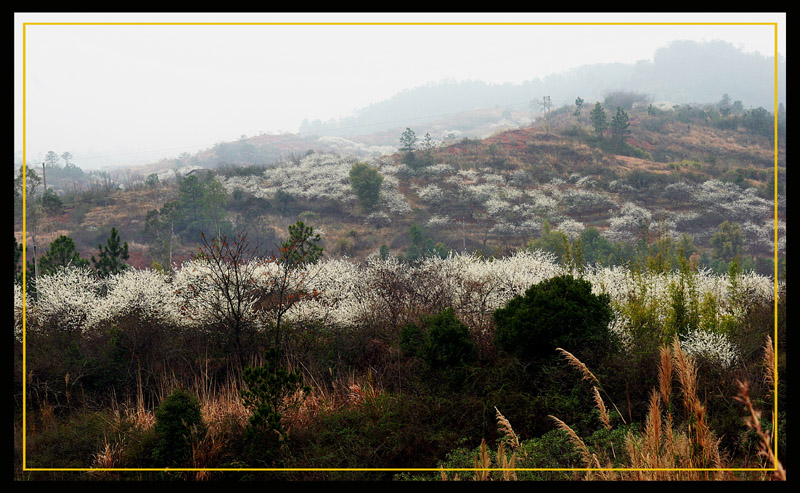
769 366
601 407
753 421
573 361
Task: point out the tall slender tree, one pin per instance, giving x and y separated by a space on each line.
599 119
578 107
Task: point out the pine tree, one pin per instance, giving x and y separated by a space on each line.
408 140
578 108
619 126
302 246
599 119
111 258
62 253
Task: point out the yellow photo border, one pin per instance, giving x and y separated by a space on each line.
167 469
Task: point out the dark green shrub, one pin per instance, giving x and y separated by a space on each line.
51 202
178 424
449 342
559 312
412 339
366 183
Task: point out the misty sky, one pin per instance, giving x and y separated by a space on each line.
121 91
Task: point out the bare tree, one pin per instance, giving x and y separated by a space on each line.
227 291
239 284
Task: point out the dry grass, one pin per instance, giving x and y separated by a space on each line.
508 436
665 376
753 421
588 375
109 457
668 450
605 419
665 448
769 365
573 361
482 462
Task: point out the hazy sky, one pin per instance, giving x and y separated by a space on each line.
147 91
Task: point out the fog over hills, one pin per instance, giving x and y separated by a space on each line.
682 72
679 73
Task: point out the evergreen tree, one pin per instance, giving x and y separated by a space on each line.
599 119
179 423
62 253
67 157
200 204
558 312
620 126
302 246
51 160
112 256
408 140
578 107
384 252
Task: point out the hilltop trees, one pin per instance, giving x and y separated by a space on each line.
67 157
578 107
408 140
366 182
408 144
624 99
51 160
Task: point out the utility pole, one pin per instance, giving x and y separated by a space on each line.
35 269
44 178
463 236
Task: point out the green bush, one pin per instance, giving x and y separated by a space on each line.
178 424
366 183
559 312
412 338
448 343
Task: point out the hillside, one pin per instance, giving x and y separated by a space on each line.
680 171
